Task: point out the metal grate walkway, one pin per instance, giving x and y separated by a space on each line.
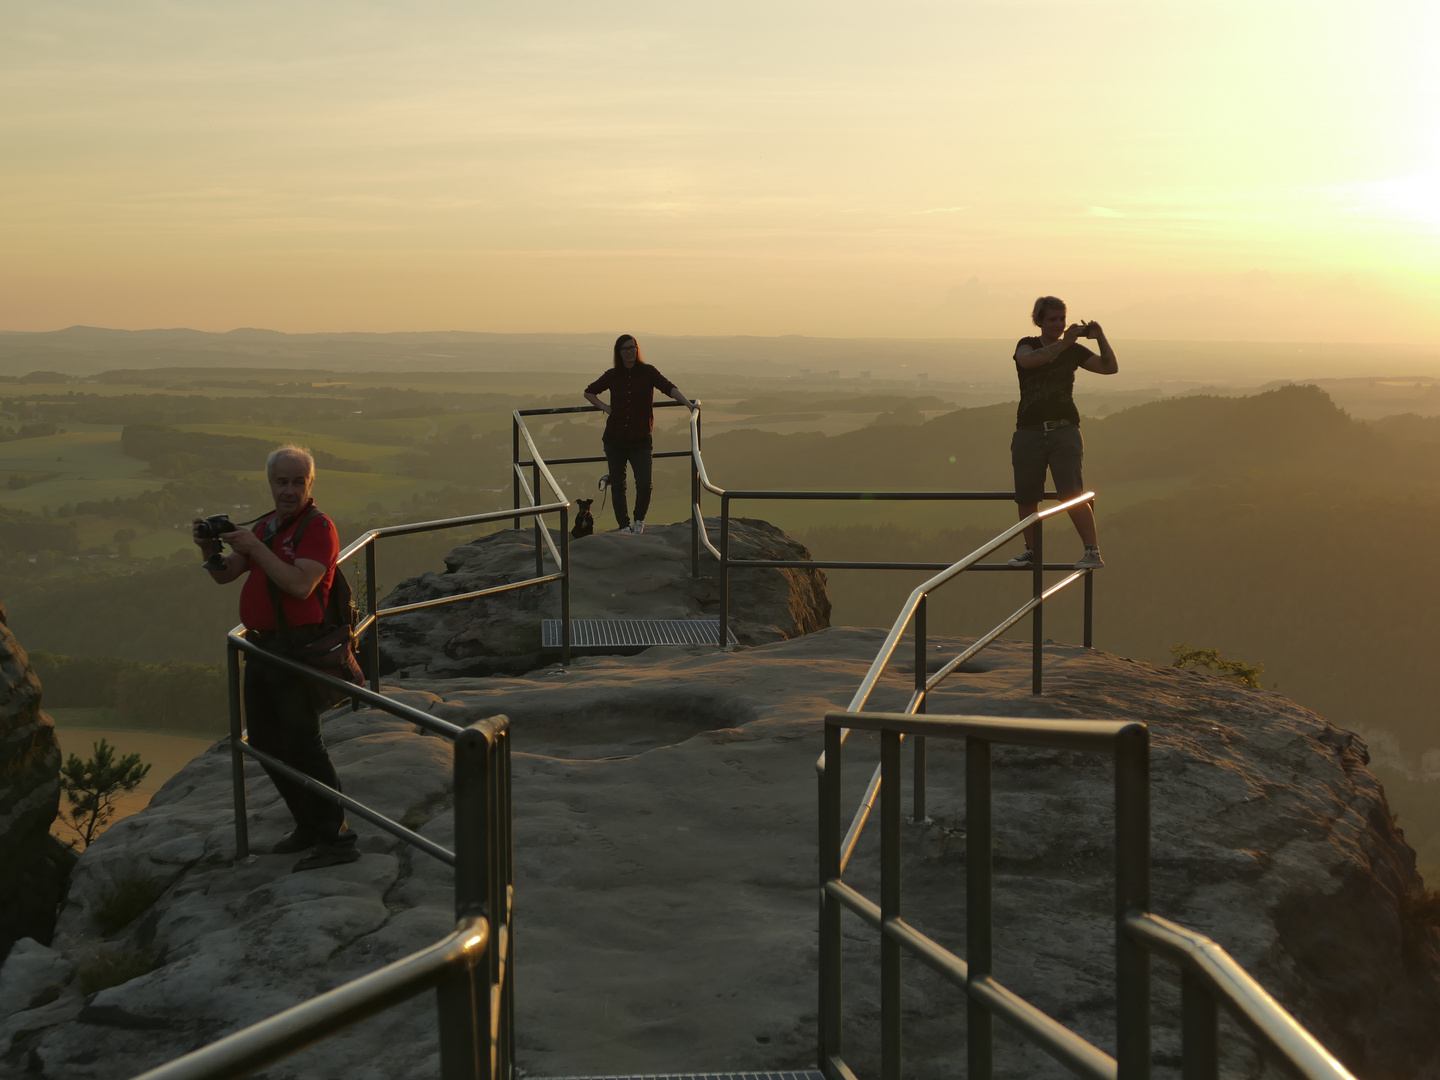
797 1074
632 634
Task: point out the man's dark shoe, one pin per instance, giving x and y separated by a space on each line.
333 853
298 840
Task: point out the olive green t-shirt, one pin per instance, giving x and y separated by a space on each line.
1047 392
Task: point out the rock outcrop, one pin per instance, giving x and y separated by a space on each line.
34 865
665 861
613 576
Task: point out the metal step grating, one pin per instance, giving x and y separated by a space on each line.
801 1074
631 634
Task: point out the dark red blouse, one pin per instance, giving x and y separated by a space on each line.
632 400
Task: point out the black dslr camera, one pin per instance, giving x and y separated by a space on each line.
211 529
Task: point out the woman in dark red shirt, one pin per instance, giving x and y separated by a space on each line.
630 419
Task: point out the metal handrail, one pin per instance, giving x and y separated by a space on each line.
294 1029
920 592
482 861
367 628
477 1022
913 610
701 482
540 469
1205 962
1209 975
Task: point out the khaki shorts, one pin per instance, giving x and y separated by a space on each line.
1032 451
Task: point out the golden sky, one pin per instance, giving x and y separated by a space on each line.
1183 170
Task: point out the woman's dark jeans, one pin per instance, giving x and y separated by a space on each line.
637 454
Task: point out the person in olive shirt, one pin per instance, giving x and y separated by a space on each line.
1047 425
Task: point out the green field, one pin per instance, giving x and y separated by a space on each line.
82 463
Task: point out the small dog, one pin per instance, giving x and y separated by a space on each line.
584 520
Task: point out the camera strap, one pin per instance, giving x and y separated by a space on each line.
270 534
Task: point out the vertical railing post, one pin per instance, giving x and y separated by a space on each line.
1199 1031
565 585
465 1048
890 1033
515 465
724 635
539 520
979 919
1089 634
505 864
921 675
832 996
1132 894
1037 617
695 514
500 959
372 604
237 756
1090 609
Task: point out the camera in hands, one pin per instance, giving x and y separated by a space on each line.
212 528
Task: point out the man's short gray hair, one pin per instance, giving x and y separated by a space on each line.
289 450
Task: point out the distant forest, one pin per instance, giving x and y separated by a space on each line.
1273 527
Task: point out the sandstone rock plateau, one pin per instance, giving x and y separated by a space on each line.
665 858
33 865
614 576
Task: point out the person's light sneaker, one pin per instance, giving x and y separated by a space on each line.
1091 559
637 527
1023 560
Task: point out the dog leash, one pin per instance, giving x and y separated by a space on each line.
604 491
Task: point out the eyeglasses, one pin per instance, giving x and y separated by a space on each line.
629 348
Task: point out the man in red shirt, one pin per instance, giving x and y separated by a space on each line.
281 711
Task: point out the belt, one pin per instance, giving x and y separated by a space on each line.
1046 425
309 631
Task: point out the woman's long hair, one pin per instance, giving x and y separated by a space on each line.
621 340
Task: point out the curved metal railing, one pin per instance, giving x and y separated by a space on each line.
913 613
1210 978
700 483
482 860
476 1010
484 865
272 1040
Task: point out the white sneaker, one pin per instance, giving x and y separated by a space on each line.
1090 560
1023 560
637 527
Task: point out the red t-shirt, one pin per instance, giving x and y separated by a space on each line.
632 400
320 543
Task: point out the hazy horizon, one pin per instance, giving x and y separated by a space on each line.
916 364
